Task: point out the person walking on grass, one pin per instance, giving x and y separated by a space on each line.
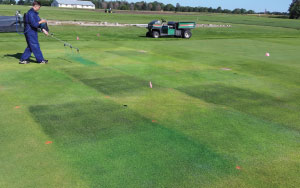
32 22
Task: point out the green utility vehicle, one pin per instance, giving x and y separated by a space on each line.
158 29
109 10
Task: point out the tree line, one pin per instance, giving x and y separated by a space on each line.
25 2
294 10
142 6
158 6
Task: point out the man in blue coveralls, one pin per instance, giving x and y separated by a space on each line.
32 23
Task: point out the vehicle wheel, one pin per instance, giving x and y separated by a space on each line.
148 34
186 34
155 34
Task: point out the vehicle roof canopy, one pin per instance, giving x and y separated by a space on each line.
155 22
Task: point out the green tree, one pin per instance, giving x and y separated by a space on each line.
144 6
236 11
131 6
184 9
243 11
104 5
295 9
124 7
46 2
5 2
21 2
169 7
227 11
110 5
150 6
178 8
250 12
28 2
203 9
8 2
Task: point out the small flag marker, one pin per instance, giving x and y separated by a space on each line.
77 38
226 69
48 142
150 84
267 54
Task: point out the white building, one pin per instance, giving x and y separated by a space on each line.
73 4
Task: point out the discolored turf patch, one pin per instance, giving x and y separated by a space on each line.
133 54
115 85
78 58
109 81
83 122
126 53
228 95
112 146
254 103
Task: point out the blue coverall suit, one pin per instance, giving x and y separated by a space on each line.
31 26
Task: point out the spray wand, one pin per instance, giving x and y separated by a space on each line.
44 28
65 43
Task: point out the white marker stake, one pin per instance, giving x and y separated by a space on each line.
150 84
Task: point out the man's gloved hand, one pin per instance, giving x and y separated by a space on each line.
44 28
42 21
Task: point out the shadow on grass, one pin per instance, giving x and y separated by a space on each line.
18 57
162 37
281 16
116 146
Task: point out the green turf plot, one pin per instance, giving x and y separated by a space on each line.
78 58
109 81
110 145
258 104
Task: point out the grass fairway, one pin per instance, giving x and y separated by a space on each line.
220 113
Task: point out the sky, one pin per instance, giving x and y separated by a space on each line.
256 5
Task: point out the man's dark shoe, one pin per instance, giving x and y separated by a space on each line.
44 62
23 62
